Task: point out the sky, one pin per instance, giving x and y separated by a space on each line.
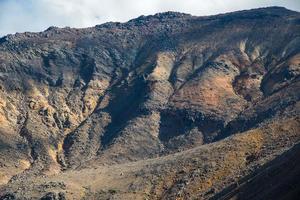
38 15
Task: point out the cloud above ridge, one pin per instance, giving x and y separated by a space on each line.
37 15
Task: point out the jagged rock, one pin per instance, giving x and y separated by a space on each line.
8 197
54 196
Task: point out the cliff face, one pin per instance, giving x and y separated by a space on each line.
161 107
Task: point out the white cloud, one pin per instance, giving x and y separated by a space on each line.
37 15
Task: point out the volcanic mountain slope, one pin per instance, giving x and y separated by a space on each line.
169 106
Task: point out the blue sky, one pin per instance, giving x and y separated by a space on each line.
37 15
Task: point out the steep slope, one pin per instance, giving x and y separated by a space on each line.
78 102
276 180
198 173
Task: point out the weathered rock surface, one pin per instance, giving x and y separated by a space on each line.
161 107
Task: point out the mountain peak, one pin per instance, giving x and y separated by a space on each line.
163 15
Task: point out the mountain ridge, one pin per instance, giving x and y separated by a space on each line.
139 96
167 14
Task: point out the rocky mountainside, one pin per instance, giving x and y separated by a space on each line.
168 106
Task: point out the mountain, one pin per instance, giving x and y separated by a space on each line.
167 106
